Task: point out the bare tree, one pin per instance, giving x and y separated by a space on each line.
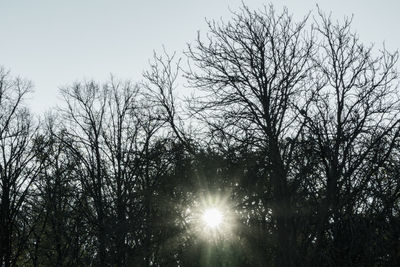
253 72
113 130
83 117
61 234
297 131
18 165
354 120
131 125
161 84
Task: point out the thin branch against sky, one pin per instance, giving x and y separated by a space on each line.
54 43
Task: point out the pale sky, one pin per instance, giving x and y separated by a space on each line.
55 43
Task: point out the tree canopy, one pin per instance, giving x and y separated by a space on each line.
291 139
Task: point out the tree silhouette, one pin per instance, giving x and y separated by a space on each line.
292 132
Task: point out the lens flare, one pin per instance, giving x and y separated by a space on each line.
212 217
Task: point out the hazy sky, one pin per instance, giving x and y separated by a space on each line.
54 43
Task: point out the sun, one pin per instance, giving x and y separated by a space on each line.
212 217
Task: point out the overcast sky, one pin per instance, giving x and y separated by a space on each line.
54 43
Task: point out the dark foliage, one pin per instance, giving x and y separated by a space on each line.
293 133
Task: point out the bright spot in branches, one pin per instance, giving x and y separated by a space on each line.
212 217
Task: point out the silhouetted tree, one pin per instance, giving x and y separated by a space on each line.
355 124
61 234
18 166
253 72
293 125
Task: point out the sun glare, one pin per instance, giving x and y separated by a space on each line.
212 217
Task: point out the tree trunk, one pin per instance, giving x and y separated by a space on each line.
5 226
283 213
